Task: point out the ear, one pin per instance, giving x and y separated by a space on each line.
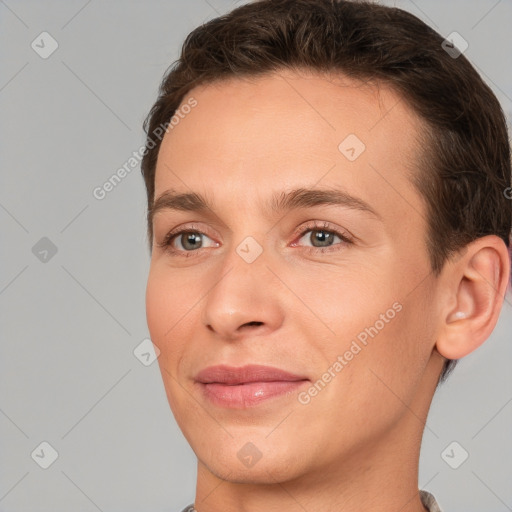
473 290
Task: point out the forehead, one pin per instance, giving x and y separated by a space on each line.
247 137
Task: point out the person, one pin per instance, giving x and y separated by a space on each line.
329 232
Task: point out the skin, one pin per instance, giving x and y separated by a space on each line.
355 445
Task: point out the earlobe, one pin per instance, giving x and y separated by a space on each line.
476 287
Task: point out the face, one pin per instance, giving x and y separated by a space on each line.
292 308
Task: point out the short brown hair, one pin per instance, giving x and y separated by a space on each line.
465 169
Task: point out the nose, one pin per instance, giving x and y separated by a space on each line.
245 299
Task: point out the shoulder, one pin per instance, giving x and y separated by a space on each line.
428 501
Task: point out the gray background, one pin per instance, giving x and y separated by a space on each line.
70 324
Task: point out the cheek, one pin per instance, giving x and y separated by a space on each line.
158 303
339 304
375 326
387 369
170 299
167 315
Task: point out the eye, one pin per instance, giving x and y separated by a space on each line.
322 236
186 241
189 240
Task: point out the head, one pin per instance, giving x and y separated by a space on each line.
275 112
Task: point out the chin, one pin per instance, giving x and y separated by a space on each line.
263 472
238 460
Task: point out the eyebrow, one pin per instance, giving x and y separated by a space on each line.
279 202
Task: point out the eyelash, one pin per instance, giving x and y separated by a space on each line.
310 226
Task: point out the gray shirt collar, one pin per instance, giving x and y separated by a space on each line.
427 499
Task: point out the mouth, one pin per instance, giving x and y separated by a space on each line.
246 386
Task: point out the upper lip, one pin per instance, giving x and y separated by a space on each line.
241 375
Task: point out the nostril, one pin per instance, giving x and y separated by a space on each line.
253 323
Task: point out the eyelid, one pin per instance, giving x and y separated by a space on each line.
182 228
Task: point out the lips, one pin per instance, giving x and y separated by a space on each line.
246 386
245 374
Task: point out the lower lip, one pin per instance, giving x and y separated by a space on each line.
241 396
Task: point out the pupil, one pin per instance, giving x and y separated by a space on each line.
191 238
323 237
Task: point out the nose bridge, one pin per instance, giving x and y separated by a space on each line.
240 294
